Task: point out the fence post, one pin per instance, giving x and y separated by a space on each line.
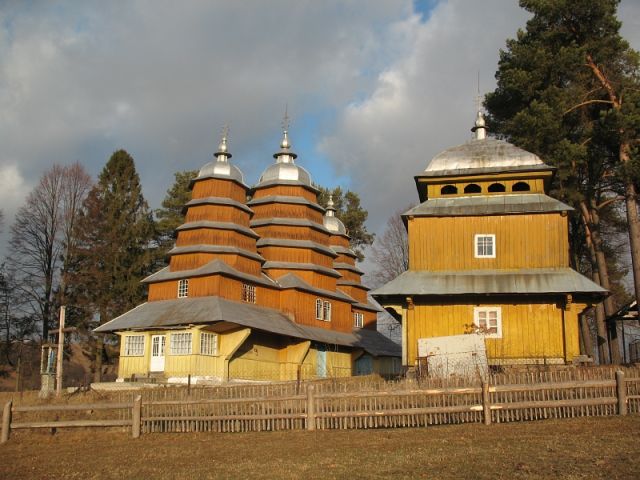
311 409
6 421
622 393
136 414
486 405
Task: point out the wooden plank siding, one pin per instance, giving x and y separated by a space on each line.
315 279
188 261
297 255
535 332
217 213
287 190
291 232
214 187
522 241
211 236
303 306
286 210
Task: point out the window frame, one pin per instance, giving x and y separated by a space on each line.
326 311
183 288
131 349
208 344
358 319
488 309
249 293
178 346
319 309
476 244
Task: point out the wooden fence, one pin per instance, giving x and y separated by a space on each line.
346 405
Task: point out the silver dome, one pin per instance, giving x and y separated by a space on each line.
334 225
220 168
482 153
285 171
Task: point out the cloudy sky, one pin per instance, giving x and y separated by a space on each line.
374 88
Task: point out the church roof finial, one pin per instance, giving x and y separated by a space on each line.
285 155
284 144
331 211
222 155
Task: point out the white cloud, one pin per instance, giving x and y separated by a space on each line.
12 190
385 91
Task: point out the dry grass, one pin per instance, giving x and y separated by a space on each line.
567 449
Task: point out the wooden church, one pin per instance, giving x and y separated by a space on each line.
489 254
261 285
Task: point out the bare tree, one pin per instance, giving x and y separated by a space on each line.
40 233
390 251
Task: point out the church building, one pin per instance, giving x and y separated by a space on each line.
489 254
261 285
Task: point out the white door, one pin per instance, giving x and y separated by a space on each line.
157 353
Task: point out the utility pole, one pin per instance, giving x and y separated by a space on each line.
63 310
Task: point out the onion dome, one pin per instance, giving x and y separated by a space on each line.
331 222
285 168
221 167
482 153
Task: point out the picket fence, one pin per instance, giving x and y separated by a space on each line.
345 404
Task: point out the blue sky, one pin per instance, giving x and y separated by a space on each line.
374 88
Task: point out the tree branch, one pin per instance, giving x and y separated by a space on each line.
588 102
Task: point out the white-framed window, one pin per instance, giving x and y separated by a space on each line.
488 321
208 343
183 288
319 309
248 293
358 319
180 343
323 310
134 345
326 311
485 245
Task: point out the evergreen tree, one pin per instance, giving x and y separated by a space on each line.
171 215
351 213
559 94
112 252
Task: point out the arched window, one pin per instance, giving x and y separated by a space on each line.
521 187
472 188
497 187
448 190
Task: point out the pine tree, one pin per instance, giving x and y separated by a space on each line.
112 254
351 213
559 83
171 215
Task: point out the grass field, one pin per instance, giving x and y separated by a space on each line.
568 449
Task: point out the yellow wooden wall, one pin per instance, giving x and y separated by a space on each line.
522 241
286 190
536 186
531 333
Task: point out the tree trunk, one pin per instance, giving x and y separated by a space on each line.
97 373
585 336
631 202
603 273
592 238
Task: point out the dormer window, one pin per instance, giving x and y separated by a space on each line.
485 245
449 190
473 188
183 288
248 293
521 187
